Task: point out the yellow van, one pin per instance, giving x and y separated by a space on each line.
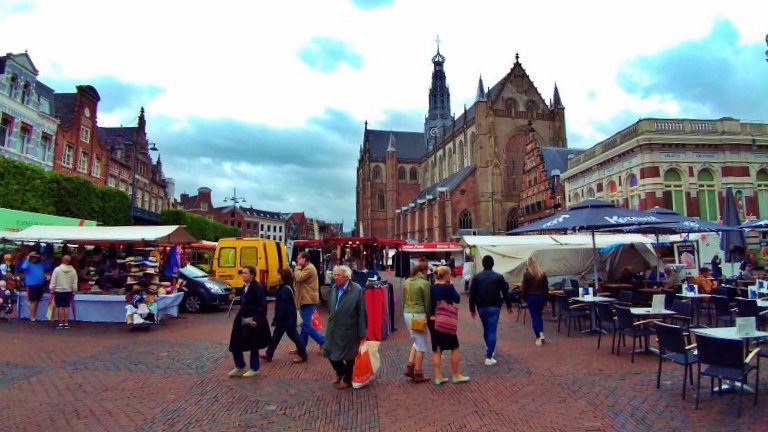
232 254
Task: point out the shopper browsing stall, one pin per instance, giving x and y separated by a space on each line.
63 287
34 278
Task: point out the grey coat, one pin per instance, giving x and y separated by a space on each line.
346 324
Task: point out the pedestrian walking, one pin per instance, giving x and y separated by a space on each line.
250 329
534 291
307 291
284 320
486 292
34 269
346 325
443 290
416 301
63 286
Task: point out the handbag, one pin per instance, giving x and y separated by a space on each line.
417 324
299 321
446 318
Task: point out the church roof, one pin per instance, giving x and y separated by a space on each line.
409 145
449 182
556 158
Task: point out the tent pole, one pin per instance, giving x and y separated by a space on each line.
658 262
594 265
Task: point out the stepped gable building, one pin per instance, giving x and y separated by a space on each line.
460 173
80 150
129 151
27 122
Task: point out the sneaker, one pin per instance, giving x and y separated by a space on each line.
490 361
236 372
60 326
250 373
541 336
539 341
66 326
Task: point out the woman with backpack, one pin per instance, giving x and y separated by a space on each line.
285 321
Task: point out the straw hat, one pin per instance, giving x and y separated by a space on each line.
132 280
151 262
152 289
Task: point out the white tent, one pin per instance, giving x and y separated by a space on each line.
563 255
101 234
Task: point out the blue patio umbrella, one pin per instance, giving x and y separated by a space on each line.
732 242
594 215
756 225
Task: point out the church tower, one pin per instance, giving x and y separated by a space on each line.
439 119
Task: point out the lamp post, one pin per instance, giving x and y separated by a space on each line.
235 201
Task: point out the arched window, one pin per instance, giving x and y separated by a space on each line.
434 172
590 193
510 104
376 173
575 198
674 198
465 219
401 174
381 200
530 105
707 195
414 174
450 170
471 148
633 192
613 193
440 168
762 193
461 155
512 219
13 89
26 92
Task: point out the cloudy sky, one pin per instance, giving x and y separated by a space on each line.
270 97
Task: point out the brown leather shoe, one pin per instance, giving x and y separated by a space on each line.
265 357
337 380
343 385
300 360
418 377
409 370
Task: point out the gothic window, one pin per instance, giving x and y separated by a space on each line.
434 172
414 175
376 174
511 105
512 219
401 174
471 148
674 196
381 200
450 169
707 195
530 105
762 193
441 168
461 155
465 219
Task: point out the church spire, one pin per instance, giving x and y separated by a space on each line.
480 89
556 102
391 146
439 114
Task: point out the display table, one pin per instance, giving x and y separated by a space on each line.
102 308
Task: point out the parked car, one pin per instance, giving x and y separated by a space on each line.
203 291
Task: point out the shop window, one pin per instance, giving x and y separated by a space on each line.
465 219
707 195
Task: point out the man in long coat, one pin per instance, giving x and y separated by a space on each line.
346 325
255 334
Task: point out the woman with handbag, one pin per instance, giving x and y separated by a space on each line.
286 319
250 329
416 301
442 323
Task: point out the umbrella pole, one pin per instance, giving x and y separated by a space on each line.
594 265
658 261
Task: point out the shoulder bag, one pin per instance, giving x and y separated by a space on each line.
299 321
417 324
446 318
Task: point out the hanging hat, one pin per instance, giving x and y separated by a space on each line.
149 270
132 280
152 289
151 262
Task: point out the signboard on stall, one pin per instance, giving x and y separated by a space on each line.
686 255
16 220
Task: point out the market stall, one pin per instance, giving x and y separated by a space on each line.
436 254
101 308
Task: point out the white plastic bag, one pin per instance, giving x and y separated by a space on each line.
367 364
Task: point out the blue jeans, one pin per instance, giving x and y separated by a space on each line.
536 307
489 316
306 312
240 359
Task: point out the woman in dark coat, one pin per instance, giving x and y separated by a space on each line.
251 336
347 322
285 321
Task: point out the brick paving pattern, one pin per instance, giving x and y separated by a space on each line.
101 377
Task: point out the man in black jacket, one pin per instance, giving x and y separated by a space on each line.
486 293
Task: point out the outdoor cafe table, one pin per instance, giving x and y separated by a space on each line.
696 300
101 307
614 288
648 313
733 334
591 300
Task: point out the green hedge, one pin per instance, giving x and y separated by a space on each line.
28 187
197 225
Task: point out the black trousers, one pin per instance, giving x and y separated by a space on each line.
343 369
293 335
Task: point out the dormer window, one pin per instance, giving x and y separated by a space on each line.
26 92
13 90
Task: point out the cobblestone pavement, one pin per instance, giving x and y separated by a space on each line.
101 377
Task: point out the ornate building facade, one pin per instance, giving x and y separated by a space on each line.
681 164
27 124
461 173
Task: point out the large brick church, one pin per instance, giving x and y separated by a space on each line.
459 173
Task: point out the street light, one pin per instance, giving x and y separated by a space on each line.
235 201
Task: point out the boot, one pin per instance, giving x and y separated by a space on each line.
409 370
418 377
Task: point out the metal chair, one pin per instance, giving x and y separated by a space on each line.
723 311
626 298
672 347
627 326
748 308
725 360
605 316
570 313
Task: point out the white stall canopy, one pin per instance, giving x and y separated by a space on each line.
563 255
102 234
